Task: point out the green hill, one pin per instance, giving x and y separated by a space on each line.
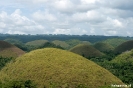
123 67
115 41
74 42
55 68
103 47
9 50
126 46
86 50
36 43
63 44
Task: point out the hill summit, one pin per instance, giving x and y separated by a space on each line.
60 68
86 50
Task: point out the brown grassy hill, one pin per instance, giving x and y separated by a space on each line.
126 46
37 43
9 50
86 51
59 68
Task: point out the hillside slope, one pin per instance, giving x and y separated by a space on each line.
103 47
58 67
9 50
86 50
126 46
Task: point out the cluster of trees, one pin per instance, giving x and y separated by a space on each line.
123 70
50 37
3 61
18 84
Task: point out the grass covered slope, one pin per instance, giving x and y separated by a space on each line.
58 68
86 50
103 47
9 50
126 46
63 44
36 43
123 67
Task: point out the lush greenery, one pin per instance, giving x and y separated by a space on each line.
18 84
3 61
56 67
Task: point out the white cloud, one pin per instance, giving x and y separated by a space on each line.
64 5
114 17
43 16
89 1
61 31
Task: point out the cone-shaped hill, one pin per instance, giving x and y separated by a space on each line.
123 66
63 44
103 47
61 68
36 43
126 46
86 50
9 50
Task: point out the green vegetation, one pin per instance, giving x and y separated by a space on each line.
54 68
103 47
86 50
126 46
18 84
3 61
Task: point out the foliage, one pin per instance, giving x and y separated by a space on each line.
3 61
58 67
18 84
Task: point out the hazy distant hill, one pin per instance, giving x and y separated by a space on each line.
63 44
115 41
126 46
103 47
86 50
37 43
59 69
9 50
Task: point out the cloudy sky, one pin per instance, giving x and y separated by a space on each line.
91 17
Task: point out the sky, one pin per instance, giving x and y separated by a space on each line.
74 17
